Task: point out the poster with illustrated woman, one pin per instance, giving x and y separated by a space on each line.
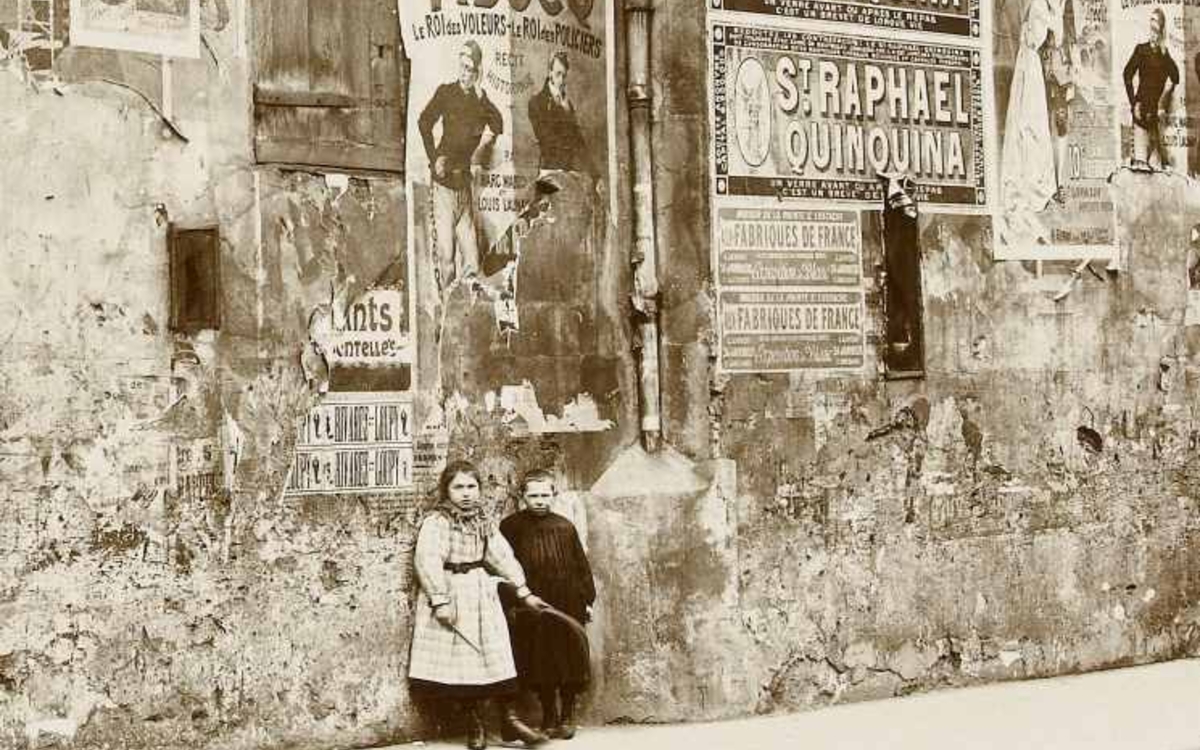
1057 133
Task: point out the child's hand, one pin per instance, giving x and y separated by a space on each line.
446 614
534 601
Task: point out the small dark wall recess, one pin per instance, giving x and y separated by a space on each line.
904 345
195 268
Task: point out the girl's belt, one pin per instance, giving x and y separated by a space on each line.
463 567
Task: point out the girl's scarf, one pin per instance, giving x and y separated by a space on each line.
477 520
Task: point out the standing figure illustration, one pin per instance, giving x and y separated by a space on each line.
1058 54
1156 75
469 124
555 125
1037 121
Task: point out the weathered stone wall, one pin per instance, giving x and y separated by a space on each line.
773 557
158 589
1033 510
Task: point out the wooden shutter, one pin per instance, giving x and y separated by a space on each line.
330 87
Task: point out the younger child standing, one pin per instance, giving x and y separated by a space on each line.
549 660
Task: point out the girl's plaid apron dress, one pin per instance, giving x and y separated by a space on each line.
456 564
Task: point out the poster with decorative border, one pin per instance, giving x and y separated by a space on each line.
952 17
1153 46
810 114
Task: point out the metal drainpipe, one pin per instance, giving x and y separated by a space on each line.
645 249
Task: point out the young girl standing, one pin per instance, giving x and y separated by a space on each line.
460 645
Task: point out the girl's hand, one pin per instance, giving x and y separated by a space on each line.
445 614
535 602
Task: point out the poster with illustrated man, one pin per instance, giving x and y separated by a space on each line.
1056 126
1148 67
500 101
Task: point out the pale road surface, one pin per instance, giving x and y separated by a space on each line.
1142 708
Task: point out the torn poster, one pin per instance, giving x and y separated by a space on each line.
373 331
354 443
1056 129
198 469
162 27
1192 313
520 410
500 98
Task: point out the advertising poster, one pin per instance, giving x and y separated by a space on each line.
954 17
765 331
1057 131
498 98
802 114
372 332
788 247
160 27
790 289
1150 72
354 443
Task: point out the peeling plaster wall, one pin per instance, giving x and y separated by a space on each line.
987 534
156 589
